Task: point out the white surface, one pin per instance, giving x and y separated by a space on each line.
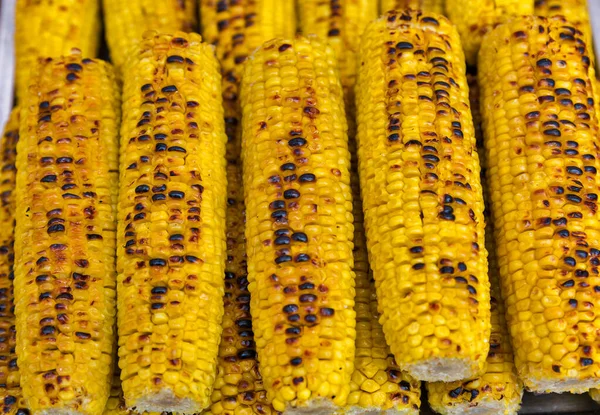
7 70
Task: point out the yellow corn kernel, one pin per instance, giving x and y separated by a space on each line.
422 196
435 6
171 236
238 388
475 18
127 20
52 28
299 224
67 174
576 12
237 28
539 116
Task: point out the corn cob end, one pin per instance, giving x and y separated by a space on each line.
443 369
484 406
164 401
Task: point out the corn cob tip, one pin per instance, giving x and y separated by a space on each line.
442 369
359 410
482 407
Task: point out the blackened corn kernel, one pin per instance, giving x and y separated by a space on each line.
179 237
316 270
237 28
65 326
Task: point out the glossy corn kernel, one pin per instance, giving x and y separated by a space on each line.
52 28
65 236
237 28
575 11
475 18
540 129
498 390
238 388
435 6
299 224
422 196
126 22
377 385
11 397
171 237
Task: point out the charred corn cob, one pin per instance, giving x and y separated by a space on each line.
11 398
237 28
299 224
540 129
422 196
52 28
435 6
238 388
171 237
65 235
126 22
377 385
576 12
475 18
498 390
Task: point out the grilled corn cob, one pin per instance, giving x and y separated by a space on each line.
238 388
299 224
65 236
377 385
237 28
540 129
475 18
576 12
11 398
52 28
498 390
127 20
435 6
171 237
422 196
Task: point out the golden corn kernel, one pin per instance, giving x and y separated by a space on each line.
435 6
299 224
422 196
540 123
171 235
67 172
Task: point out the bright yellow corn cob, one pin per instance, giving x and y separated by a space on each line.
540 130
498 390
475 18
171 251
422 196
576 12
435 6
299 224
238 388
11 398
237 28
127 20
52 28
65 236
377 385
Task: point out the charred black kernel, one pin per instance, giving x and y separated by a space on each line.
71 77
160 147
416 249
282 240
546 98
49 178
47 330
573 198
288 166
284 47
404 45
45 296
552 132
158 197
308 298
326 312
95 236
41 278
56 228
527 88
169 88
418 266
447 270
157 306
462 266
562 91
282 232
291 194
551 124
44 105
471 289
461 280
244 323
585 361
296 361
278 204
394 137
178 149
146 87
297 142
580 273
176 194
132 166
571 152
191 259
575 215
568 284
590 169
455 393
431 157
160 137
307 286
310 318
560 222
283 258
299 237
307 178
290 308
532 115
563 233
293 331
143 188
573 303
159 290
288 179
570 261
574 170
175 59
592 196
567 103
157 262
302 258
457 133
279 214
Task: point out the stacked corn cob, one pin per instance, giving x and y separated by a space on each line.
11 398
435 6
53 28
575 11
422 196
127 20
475 18
237 28
65 244
540 125
171 224
299 224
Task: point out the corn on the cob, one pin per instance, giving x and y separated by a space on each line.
171 237
540 130
237 28
475 18
498 390
299 224
238 388
11 398
377 385
52 28
435 6
576 12
126 22
65 235
422 196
